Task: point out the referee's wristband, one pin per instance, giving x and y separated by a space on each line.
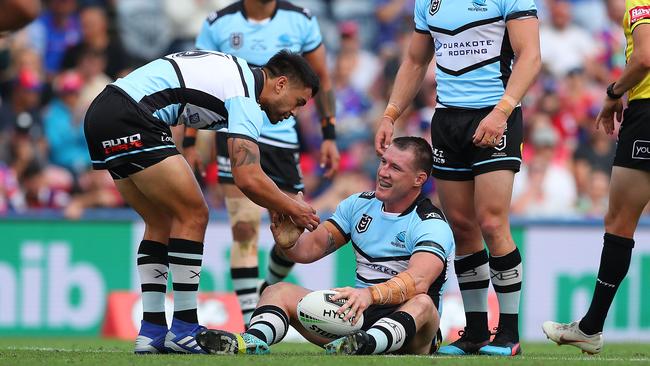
188 141
328 129
611 94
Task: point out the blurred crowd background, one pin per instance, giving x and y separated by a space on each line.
51 70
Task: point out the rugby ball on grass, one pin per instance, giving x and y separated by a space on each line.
317 313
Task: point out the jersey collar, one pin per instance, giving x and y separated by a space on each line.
412 207
415 203
243 10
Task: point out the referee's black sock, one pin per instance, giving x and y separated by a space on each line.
614 264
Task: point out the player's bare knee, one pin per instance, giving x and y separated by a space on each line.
196 217
492 227
245 217
423 303
620 225
159 220
460 220
244 233
278 290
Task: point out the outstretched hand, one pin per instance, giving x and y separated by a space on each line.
611 112
329 158
384 136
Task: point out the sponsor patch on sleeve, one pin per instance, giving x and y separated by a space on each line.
638 13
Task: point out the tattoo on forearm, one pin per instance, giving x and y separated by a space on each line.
243 154
331 244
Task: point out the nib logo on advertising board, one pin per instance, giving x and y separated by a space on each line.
55 276
73 291
560 272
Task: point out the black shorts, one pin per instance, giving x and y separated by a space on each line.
633 148
122 137
455 157
376 312
282 165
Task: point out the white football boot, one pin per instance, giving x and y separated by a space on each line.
562 333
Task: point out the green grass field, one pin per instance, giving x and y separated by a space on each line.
94 351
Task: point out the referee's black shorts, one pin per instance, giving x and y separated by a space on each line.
455 157
633 148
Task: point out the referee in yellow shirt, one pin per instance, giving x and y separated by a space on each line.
631 168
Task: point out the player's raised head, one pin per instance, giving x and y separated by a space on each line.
422 152
403 169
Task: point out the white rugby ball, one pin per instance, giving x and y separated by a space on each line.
317 313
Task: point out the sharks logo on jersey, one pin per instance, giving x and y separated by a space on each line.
364 223
434 7
478 5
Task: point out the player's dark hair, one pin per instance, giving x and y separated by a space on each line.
421 150
295 68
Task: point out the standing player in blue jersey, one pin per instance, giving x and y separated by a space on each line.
127 128
401 241
476 133
255 30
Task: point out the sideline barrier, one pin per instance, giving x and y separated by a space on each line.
56 275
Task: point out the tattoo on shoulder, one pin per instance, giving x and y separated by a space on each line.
331 244
243 153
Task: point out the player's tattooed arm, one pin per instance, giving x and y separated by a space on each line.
312 246
243 152
331 244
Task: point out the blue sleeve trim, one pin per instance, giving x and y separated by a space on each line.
338 227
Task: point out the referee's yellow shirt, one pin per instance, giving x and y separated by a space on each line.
636 12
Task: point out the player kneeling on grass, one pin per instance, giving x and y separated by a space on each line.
401 241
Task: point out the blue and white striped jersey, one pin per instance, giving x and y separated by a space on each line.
291 27
201 89
472 49
384 242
